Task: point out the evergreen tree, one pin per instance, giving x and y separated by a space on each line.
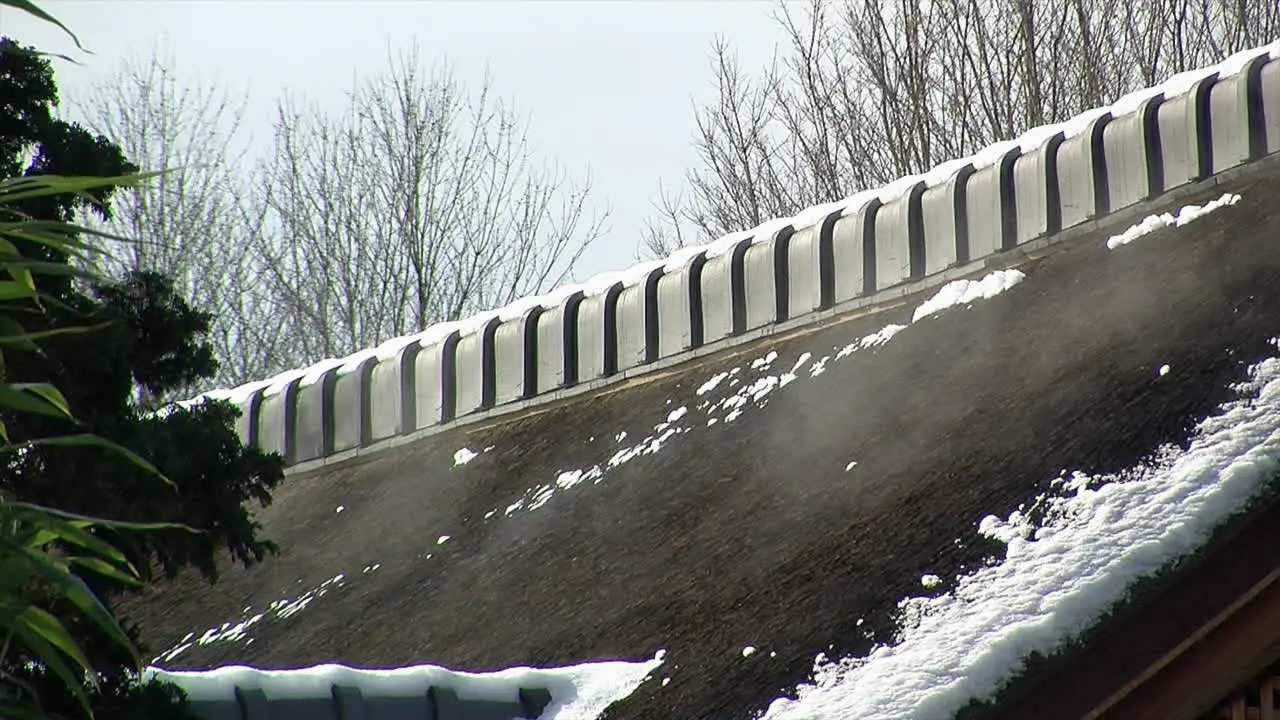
147 345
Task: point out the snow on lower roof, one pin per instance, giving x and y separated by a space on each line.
1175 85
1099 536
578 692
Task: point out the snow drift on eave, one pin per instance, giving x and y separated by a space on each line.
1176 85
579 692
1097 535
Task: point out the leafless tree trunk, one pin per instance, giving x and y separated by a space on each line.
870 90
421 203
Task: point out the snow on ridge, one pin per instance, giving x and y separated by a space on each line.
578 692
1186 214
1175 85
1099 535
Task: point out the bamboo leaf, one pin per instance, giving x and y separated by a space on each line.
73 532
15 399
88 440
32 8
73 589
11 333
48 185
84 599
50 658
11 290
52 631
40 267
14 571
106 569
122 524
49 393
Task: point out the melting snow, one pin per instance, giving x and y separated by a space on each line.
764 362
464 456
1100 534
963 292
711 384
755 394
579 692
1151 223
930 581
231 632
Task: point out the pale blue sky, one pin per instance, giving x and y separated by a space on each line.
606 83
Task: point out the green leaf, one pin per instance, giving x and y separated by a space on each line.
12 333
8 335
14 571
106 569
73 532
52 631
31 7
12 397
50 394
49 656
20 712
11 290
33 186
20 275
41 267
84 599
71 588
88 440
121 524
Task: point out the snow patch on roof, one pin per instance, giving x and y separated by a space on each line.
1100 534
1186 214
963 292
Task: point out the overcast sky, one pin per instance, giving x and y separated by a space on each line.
606 83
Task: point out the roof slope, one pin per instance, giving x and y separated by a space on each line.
758 529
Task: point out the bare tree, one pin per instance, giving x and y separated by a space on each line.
189 223
866 91
422 202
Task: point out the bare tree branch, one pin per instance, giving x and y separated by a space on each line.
871 90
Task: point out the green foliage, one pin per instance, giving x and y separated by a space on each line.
46 554
62 651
